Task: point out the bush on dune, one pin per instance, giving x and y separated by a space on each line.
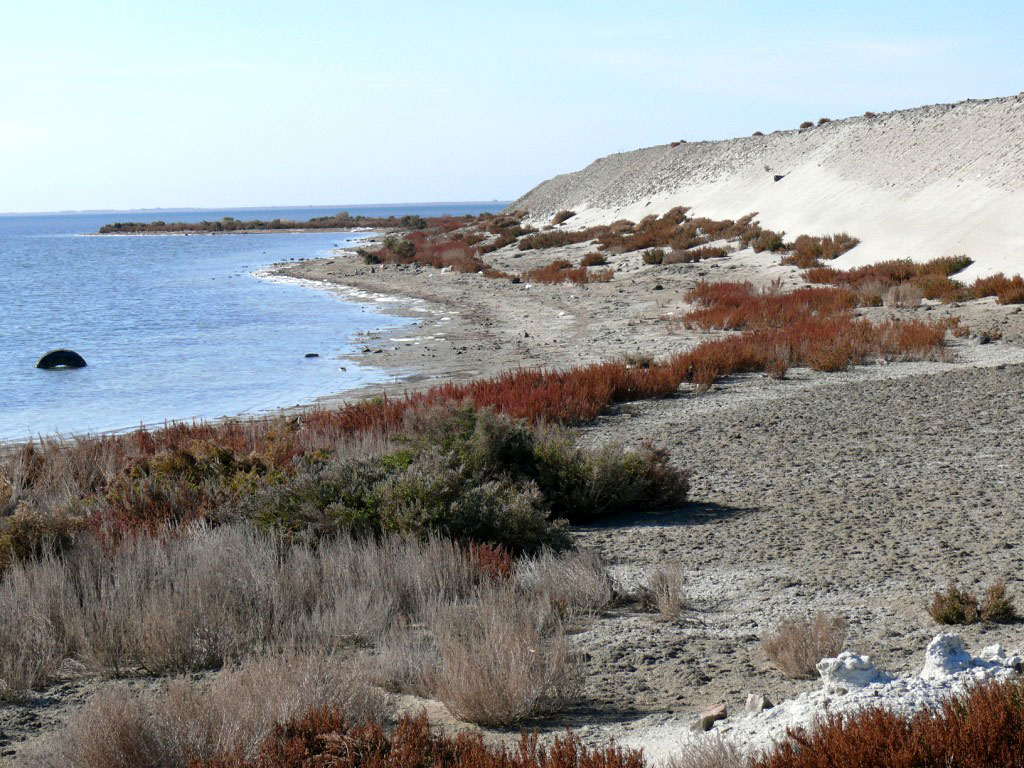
931 280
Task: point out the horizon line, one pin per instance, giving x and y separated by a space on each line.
193 209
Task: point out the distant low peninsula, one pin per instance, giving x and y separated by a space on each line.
341 220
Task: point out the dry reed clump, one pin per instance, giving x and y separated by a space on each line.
957 605
665 591
980 728
326 737
503 659
904 296
799 644
205 598
185 721
716 752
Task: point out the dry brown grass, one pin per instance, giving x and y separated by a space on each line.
503 659
185 720
665 591
710 752
205 598
799 644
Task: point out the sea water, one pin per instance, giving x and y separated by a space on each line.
173 327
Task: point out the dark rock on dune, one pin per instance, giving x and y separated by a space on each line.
61 358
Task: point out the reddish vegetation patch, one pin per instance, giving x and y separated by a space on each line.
983 728
323 738
806 251
739 306
824 344
561 271
929 280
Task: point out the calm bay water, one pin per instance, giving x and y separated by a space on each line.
173 327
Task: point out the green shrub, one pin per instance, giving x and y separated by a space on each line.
997 605
954 606
584 485
27 534
471 475
654 256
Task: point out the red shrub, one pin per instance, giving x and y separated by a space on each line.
323 738
1007 290
491 561
562 271
873 280
739 306
983 728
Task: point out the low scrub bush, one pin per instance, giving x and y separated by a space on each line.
561 271
897 281
954 606
765 240
957 605
806 124
184 722
806 251
799 644
562 216
997 604
327 737
695 254
475 476
654 256
593 260
980 728
1007 290
740 306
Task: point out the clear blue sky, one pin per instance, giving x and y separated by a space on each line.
220 103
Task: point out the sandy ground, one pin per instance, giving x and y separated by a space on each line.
859 492
919 183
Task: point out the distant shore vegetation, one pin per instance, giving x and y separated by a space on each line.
340 220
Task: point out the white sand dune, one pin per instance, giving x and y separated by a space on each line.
918 183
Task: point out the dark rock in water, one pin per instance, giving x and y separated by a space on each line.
312 354
61 358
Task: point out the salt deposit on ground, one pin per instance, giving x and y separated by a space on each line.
850 683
